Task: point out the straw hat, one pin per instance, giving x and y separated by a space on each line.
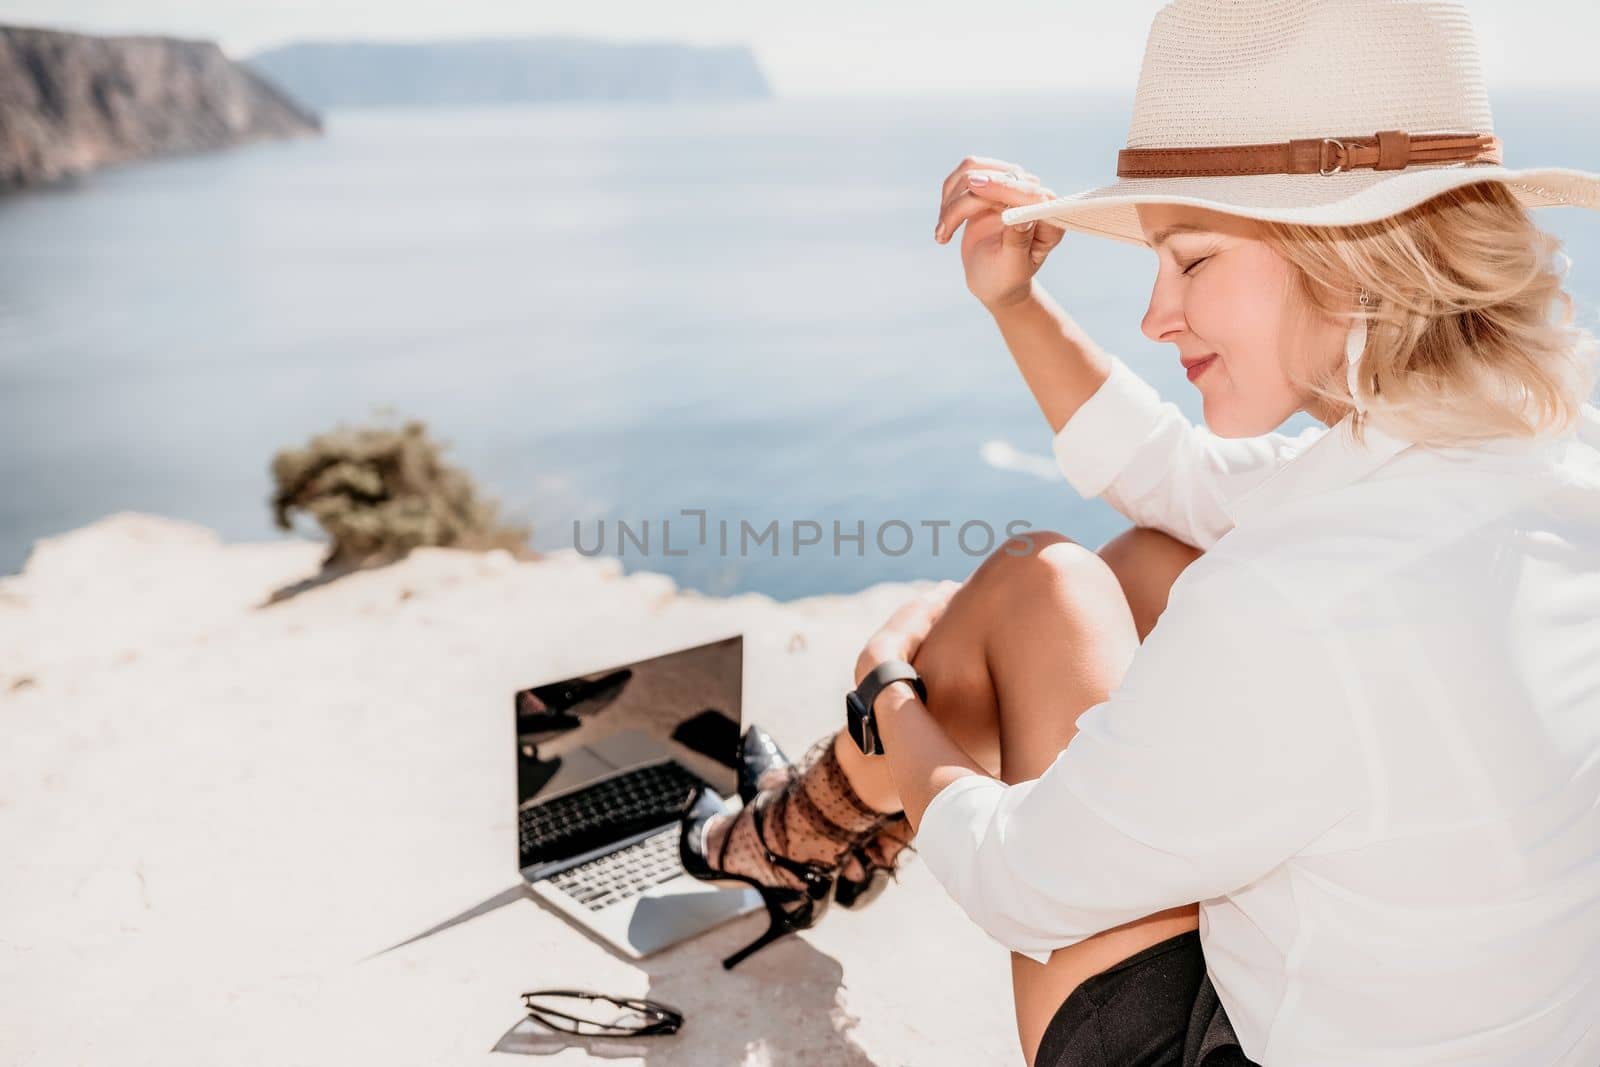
1319 112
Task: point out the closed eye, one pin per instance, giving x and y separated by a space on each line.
1195 264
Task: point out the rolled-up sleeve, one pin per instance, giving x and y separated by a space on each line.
1220 755
1145 458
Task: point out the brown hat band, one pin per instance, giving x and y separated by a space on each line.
1387 150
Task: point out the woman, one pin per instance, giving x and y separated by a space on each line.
1330 710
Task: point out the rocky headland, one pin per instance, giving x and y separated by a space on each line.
72 102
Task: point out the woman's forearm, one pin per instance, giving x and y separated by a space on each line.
1061 364
922 757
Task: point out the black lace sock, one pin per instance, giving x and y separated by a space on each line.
811 814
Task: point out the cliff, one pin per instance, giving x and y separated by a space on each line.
71 102
218 815
551 68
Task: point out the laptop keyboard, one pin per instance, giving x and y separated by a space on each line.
606 811
622 875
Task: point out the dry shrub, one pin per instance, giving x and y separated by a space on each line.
380 491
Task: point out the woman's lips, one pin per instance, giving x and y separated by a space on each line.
1199 368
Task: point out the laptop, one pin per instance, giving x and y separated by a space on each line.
606 762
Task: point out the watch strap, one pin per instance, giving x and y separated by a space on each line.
890 670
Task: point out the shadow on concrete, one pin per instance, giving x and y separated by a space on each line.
316 581
499 900
783 1003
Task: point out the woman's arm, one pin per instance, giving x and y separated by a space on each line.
1061 364
925 759
922 758
1211 763
1115 438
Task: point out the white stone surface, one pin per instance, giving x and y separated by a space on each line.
216 815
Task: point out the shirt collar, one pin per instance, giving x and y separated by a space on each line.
1332 460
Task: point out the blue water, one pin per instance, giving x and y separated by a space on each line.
610 312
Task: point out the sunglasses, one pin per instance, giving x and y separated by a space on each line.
573 1011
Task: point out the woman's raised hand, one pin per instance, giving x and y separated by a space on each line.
1000 260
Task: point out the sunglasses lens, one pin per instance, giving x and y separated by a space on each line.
589 1016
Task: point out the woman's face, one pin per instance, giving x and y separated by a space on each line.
1220 289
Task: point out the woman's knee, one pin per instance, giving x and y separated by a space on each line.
1045 579
1001 590
1042 583
1034 561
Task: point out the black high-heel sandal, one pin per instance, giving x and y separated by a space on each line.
859 892
758 754
789 908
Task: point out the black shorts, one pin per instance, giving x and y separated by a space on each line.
1156 1008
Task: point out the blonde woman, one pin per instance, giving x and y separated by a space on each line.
1304 768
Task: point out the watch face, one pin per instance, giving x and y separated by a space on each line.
855 718
863 729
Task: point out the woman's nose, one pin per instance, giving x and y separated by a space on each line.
1164 316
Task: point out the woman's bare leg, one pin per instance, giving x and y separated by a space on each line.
1027 644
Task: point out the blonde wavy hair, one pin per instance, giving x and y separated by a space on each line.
1462 343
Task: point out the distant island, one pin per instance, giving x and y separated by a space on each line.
508 70
71 102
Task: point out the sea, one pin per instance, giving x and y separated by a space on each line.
712 339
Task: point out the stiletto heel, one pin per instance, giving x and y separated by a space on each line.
788 908
778 928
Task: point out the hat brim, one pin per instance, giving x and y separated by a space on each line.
1306 199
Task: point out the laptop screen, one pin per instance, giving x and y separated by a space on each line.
608 754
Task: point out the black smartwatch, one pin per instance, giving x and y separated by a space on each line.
858 710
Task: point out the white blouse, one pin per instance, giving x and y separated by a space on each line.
1364 734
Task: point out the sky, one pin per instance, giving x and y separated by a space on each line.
818 47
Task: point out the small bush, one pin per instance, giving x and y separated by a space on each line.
380 491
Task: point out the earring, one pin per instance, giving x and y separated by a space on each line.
1355 344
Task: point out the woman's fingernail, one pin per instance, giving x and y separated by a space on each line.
938 232
978 179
